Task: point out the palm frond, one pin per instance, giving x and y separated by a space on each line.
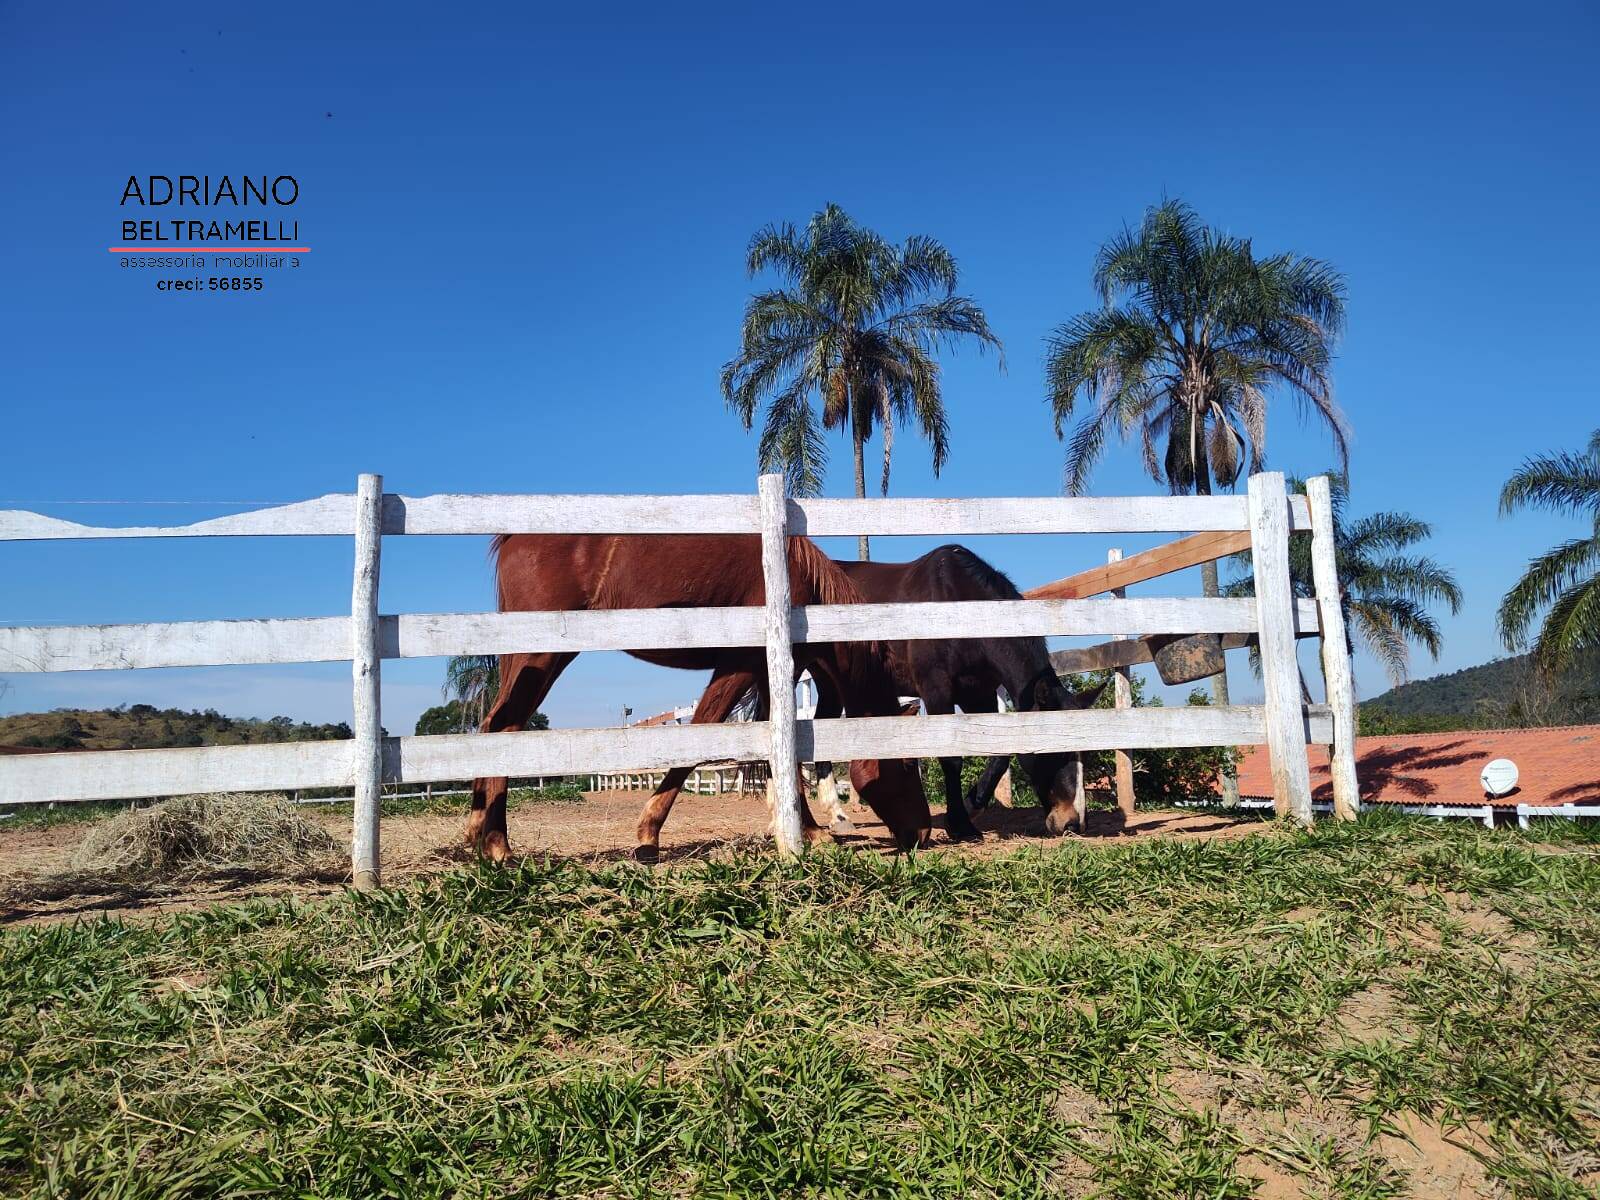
1545 581
1563 483
792 441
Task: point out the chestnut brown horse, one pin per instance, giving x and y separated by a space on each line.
573 572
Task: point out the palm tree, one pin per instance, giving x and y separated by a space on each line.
1193 332
474 680
1387 593
1563 582
857 324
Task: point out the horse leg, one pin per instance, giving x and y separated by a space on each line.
982 793
828 706
809 829
715 703
1080 797
957 824
525 681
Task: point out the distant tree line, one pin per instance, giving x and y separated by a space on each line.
146 727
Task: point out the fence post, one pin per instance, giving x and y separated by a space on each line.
1280 672
1122 693
367 753
1336 674
780 663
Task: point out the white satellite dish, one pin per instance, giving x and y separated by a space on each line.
1499 777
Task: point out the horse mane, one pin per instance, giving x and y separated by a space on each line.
1043 689
981 572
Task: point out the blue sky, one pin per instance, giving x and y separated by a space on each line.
527 244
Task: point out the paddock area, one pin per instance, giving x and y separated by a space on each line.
595 831
787 596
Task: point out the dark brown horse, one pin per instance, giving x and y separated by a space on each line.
967 673
573 572
946 674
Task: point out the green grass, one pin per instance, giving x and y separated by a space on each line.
1138 1018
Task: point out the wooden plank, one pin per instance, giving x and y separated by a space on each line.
474 514
126 774
332 514
490 514
366 669
1149 564
1122 694
37 648
780 665
1023 514
571 751
660 747
989 734
1336 673
1107 656
1028 514
118 774
1280 672
1032 618
427 635
49 648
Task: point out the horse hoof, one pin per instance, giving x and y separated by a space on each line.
496 848
964 835
647 854
841 824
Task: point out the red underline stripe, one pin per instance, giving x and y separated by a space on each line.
207 249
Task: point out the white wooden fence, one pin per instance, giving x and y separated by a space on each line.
365 638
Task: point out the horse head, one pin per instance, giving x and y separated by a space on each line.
892 788
1058 778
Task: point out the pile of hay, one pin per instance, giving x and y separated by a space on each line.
189 836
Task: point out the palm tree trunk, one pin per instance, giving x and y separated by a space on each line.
1210 588
863 546
1219 688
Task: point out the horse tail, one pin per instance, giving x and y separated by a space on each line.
497 546
826 583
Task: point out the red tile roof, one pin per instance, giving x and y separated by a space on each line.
1560 765
669 717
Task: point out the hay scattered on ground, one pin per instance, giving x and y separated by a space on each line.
201 835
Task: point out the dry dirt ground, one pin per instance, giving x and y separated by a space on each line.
600 829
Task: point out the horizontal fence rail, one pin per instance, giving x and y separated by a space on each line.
43 648
128 774
334 515
1260 521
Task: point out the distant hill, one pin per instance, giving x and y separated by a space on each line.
1506 693
145 727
